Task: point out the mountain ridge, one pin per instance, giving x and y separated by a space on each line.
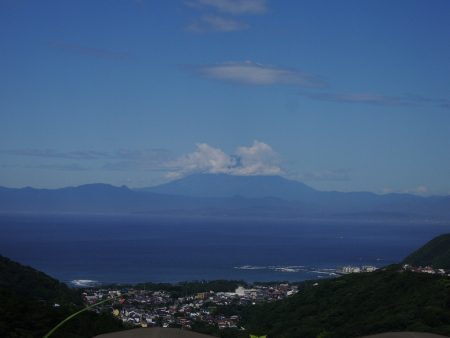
219 194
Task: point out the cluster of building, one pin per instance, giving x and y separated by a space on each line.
356 269
158 308
426 269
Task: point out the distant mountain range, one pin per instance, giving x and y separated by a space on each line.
219 194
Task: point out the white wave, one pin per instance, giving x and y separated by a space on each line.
286 269
324 272
250 267
84 282
290 269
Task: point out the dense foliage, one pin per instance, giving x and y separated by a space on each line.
435 253
28 299
33 284
358 304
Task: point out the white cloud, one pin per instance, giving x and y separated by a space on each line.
386 190
215 10
258 159
421 190
378 99
204 159
326 175
251 73
213 23
234 7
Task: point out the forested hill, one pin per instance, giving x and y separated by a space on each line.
31 284
435 253
356 305
28 310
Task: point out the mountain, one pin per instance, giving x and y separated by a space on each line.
355 305
226 195
435 253
103 198
305 198
221 185
85 198
28 299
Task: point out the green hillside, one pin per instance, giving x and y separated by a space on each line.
27 306
33 284
356 305
435 253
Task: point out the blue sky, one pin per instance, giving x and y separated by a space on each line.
342 95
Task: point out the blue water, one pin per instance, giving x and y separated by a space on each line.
170 249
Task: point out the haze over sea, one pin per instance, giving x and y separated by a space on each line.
170 249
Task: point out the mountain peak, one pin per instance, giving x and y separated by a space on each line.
98 187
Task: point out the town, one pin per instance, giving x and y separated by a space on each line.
426 269
147 308
355 269
199 304
142 307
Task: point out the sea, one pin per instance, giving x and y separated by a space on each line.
84 249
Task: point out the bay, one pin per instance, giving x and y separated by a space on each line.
142 248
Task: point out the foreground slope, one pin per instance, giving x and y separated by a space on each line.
155 332
404 335
435 253
27 306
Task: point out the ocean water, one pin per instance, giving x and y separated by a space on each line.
130 249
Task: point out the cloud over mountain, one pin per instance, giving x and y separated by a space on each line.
257 159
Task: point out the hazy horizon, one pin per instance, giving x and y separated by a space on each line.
417 193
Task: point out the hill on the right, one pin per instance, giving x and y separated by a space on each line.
435 253
390 299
